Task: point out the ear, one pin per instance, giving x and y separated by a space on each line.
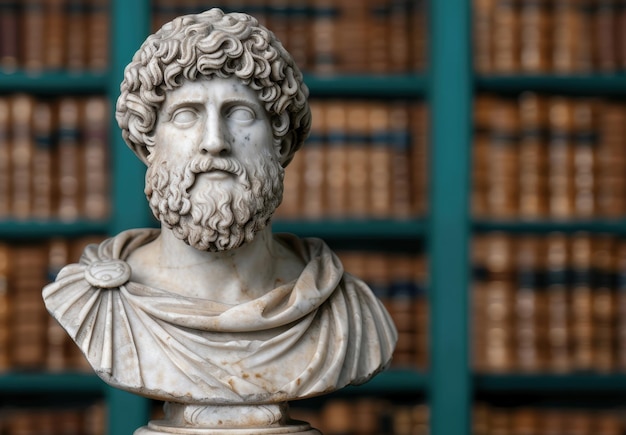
284 147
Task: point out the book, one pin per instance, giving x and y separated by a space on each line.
582 294
505 36
336 172
557 303
6 267
33 34
603 304
379 164
561 159
313 153
482 30
530 303
69 160
42 161
22 149
5 158
98 35
9 35
54 54
94 176
357 152
533 170
534 40
584 162
502 165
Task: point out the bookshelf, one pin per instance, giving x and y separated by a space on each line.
448 86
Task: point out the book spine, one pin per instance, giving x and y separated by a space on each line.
611 160
584 142
581 303
603 304
69 159
22 155
375 25
76 40
313 173
56 337
606 35
499 303
33 36
300 33
560 159
401 151
10 29
529 305
53 41
336 163
95 178
5 157
324 37
419 144
357 152
29 318
480 155
97 51
620 296
534 36
399 35
42 161
379 161
6 267
557 297
506 44
533 115
502 166
482 37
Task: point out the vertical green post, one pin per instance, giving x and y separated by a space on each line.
130 24
450 96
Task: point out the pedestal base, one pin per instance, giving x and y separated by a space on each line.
157 428
269 419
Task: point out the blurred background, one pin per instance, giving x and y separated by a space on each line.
467 160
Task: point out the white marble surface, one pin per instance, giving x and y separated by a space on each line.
213 310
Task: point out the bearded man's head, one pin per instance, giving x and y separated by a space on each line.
195 47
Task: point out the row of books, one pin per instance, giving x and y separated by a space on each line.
552 303
332 36
363 159
544 156
54 158
399 281
54 420
545 36
30 339
376 416
529 420
365 416
53 35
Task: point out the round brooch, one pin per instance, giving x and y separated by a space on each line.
108 274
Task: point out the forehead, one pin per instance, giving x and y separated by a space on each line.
214 89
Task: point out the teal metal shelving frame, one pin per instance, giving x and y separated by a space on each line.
131 25
450 101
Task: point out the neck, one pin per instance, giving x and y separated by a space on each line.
231 277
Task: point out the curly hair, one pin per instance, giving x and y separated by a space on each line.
213 44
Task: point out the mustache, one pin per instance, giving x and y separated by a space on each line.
201 165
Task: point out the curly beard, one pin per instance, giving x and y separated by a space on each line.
219 218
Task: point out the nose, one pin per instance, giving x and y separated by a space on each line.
215 140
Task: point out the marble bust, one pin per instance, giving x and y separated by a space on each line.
213 313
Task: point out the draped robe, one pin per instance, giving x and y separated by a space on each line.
320 332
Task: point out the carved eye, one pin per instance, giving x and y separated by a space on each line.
241 114
184 117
